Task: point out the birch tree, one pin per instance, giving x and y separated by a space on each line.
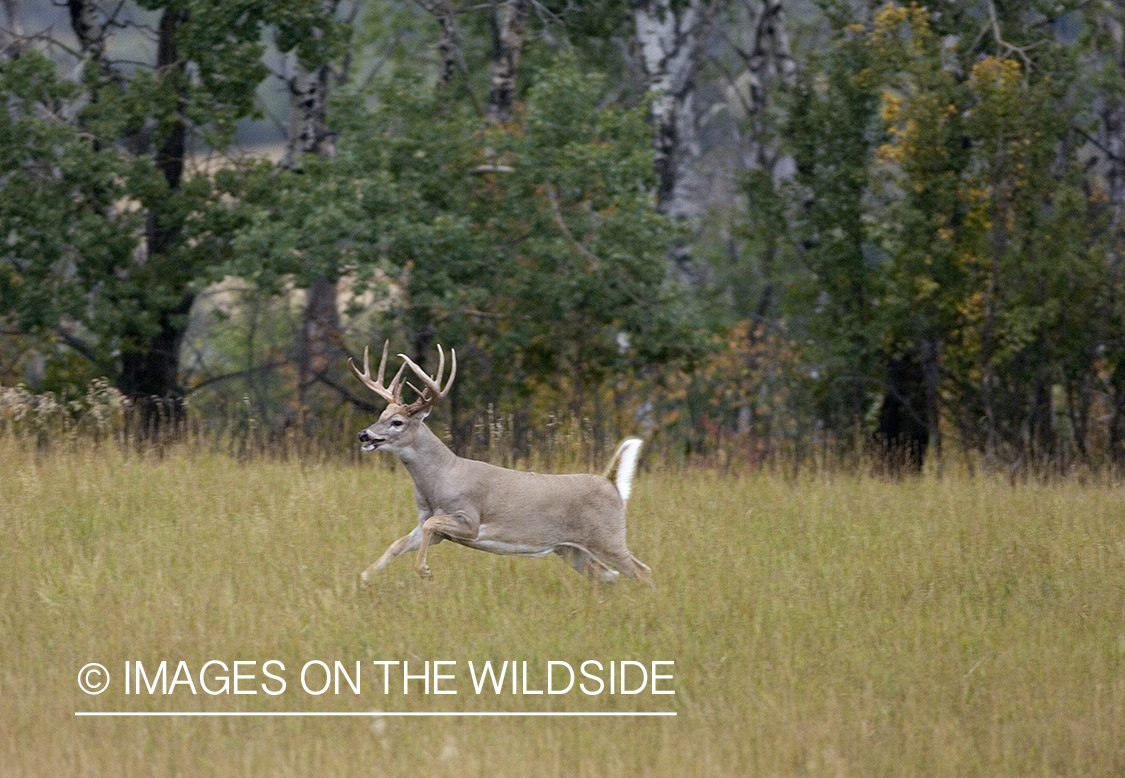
509 30
321 58
671 39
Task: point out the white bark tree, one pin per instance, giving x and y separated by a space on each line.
310 90
509 31
670 41
767 64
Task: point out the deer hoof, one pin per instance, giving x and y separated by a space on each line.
364 580
424 571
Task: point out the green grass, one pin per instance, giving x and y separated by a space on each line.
842 626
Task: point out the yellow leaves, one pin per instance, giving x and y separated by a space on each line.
916 106
889 17
888 153
889 21
1000 101
892 108
904 132
994 74
915 127
926 288
976 194
973 307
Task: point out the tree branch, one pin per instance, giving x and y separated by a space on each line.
344 392
560 222
77 344
237 374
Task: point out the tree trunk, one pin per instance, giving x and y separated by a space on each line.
91 33
1042 441
12 36
150 378
509 30
1117 420
450 57
1112 113
320 335
767 59
1112 143
309 92
904 427
670 37
321 348
150 363
308 130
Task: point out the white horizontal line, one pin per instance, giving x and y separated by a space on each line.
372 714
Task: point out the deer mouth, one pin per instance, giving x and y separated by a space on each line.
370 442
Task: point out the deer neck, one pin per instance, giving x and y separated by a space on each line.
427 457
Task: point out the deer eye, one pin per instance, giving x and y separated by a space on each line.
396 423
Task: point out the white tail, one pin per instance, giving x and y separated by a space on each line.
579 517
623 466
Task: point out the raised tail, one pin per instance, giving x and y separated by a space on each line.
623 466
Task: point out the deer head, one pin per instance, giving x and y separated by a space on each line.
398 424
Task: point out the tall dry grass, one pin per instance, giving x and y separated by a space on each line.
834 626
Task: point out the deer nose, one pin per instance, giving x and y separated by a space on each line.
364 437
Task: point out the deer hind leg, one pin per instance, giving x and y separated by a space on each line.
401 546
631 566
587 564
635 568
643 570
457 525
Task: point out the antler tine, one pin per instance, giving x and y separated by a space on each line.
441 371
440 364
425 398
382 362
452 369
390 393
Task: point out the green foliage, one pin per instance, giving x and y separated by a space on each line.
940 214
993 238
588 246
111 227
60 218
537 244
940 198
835 299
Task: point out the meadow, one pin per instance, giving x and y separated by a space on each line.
836 625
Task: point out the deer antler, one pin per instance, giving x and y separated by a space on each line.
392 393
432 390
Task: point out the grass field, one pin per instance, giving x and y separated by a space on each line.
838 626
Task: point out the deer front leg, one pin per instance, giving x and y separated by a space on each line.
460 525
401 546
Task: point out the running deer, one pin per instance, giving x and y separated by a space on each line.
579 517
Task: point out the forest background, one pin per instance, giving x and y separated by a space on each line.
759 232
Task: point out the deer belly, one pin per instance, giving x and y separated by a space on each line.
504 547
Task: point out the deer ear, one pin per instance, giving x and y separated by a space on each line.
422 414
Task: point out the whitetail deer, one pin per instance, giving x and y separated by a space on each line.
580 517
